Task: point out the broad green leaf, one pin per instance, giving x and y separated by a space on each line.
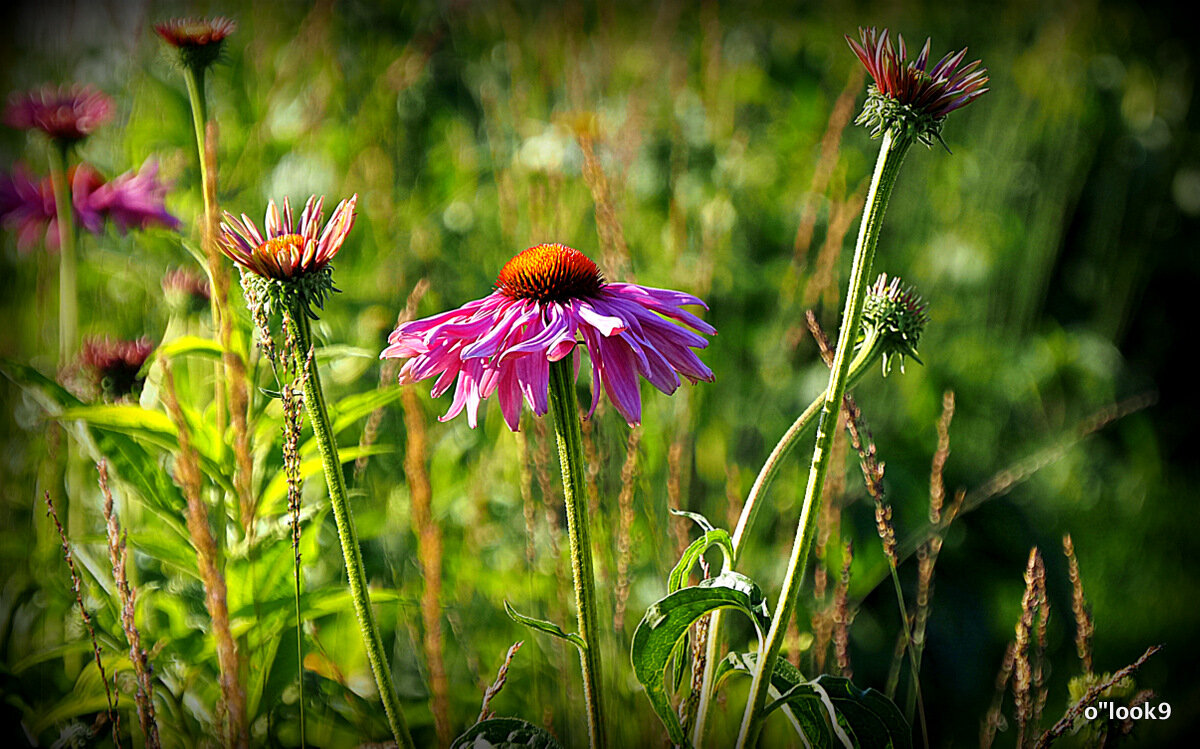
503 733
541 625
829 710
667 622
351 408
694 551
274 495
187 345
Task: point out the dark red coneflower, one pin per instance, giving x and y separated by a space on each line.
112 368
67 114
909 96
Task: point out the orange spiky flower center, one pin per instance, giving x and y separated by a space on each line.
283 256
550 273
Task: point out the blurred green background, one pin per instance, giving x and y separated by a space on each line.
1054 246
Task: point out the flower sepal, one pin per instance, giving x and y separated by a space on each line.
894 317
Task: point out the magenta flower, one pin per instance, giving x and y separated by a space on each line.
27 206
66 114
111 368
131 201
909 94
134 200
287 251
547 299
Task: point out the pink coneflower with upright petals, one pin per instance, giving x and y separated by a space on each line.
548 299
198 40
910 94
67 114
286 251
134 200
111 367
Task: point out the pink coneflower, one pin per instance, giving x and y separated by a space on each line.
130 201
287 252
111 367
67 114
198 40
547 298
134 200
910 90
27 206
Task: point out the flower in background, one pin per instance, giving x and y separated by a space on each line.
198 40
67 114
112 368
547 298
134 200
296 255
130 201
27 206
909 96
186 291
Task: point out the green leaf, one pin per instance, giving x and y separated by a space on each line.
274 495
667 622
187 345
692 554
541 625
829 710
351 408
697 518
503 733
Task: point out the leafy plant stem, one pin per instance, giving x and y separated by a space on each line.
565 411
892 150
869 352
318 414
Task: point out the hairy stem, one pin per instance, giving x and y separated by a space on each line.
565 410
866 358
318 414
887 168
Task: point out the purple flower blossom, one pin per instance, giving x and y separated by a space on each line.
197 40
67 114
286 251
185 290
547 299
27 206
132 200
936 91
135 200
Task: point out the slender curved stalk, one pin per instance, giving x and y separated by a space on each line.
887 168
867 357
565 410
68 302
318 414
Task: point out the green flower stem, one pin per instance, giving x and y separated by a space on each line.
194 80
887 168
68 301
565 411
869 353
318 414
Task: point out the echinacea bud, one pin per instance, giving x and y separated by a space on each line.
909 98
197 40
896 315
